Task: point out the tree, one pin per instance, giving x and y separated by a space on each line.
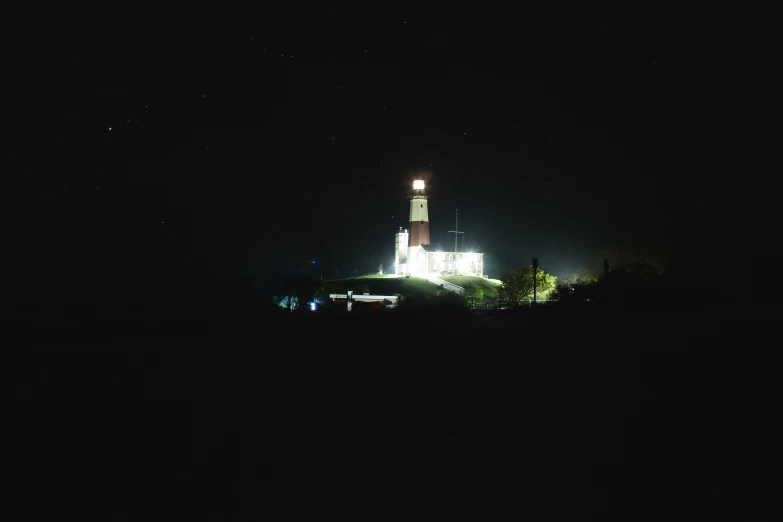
636 282
473 295
517 285
656 257
474 291
566 287
297 291
287 302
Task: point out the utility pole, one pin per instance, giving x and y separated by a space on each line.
535 278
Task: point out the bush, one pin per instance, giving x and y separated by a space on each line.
474 291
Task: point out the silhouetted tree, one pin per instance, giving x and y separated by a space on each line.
574 287
624 256
637 282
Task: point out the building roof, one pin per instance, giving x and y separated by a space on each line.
427 247
448 252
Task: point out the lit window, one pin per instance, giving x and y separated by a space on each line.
451 257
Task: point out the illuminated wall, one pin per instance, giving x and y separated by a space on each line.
417 260
464 263
400 252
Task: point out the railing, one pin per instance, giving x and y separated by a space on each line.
448 286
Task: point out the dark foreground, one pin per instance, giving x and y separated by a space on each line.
580 416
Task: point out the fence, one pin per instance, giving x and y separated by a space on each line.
487 305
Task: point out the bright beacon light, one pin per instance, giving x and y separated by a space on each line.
418 184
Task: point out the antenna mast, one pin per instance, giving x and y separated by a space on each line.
456 230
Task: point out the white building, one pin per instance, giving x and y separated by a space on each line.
413 254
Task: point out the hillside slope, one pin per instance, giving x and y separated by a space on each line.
490 288
385 285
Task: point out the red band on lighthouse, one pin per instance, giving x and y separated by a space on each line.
420 233
419 218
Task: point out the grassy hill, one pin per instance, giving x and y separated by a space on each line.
489 286
385 285
414 286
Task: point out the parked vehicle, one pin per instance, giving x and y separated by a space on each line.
447 272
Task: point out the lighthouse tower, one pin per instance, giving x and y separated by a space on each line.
419 229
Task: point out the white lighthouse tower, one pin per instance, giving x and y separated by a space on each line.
419 230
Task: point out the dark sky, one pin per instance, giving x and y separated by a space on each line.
237 147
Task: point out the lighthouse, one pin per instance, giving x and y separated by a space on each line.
419 220
419 228
416 259
409 256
